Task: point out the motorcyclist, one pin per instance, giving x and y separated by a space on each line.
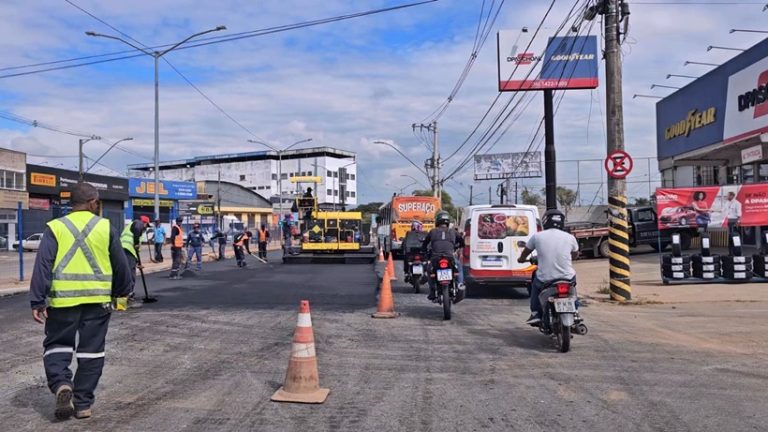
441 241
555 249
413 240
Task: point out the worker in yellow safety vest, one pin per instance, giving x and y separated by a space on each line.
130 239
263 240
80 267
177 247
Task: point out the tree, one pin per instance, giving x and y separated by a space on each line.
642 202
566 198
446 201
369 209
530 197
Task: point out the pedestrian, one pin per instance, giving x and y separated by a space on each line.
130 240
222 238
241 241
287 227
194 244
79 268
159 240
263 239
732 212
177 243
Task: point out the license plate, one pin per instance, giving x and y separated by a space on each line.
492 261
417 269
444 275
567 305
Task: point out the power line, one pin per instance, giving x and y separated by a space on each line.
37 124
210 40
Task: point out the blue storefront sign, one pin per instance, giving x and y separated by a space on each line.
169 189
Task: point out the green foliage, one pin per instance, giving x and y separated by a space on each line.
642 202
530 197
369 209
446 201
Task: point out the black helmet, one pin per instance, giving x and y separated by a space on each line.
179 220
442 218
553 219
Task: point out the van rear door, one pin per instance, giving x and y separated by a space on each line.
495 233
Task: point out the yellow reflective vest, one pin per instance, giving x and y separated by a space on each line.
82 272
126 240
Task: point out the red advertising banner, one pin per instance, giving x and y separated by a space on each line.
713 206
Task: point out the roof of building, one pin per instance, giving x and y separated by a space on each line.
233 194
248 156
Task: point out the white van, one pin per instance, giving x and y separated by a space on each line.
491 234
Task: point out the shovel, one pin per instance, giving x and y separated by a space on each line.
147 298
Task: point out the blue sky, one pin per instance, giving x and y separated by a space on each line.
344 84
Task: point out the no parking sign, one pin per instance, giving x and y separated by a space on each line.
618 164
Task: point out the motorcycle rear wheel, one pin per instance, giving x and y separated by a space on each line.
563 333
446 302
416 282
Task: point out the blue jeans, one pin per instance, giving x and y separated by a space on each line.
460 275
195 250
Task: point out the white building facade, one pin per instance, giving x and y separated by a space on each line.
259 171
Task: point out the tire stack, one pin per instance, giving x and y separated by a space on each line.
737 267
760 263
676 267
706 267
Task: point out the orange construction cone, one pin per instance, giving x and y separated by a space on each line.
302 382
381 255
391 267
386 307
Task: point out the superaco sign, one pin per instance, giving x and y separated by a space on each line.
419 207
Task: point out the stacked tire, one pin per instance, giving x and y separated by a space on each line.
676 267
760 263
705 267
737 267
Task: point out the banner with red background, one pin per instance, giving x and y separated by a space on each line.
705 206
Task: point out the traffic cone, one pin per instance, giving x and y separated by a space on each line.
302 382
386 306
381 255
391 267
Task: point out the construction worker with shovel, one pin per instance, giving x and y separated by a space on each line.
130 240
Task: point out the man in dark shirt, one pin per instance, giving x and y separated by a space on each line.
70 293
177 244
195 242
441 241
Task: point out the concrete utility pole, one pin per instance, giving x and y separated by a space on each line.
619 230
434 162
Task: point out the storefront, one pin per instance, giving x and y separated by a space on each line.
142 198
13 192
714 131
237 202
50 188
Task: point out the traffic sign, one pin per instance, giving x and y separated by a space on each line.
618 164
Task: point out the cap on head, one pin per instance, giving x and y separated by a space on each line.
179 220
144 219
82 193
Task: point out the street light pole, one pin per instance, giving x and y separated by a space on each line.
82 141
156 55
105 153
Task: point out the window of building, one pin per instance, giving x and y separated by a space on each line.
335 192
329 192
762 173
668 178
242 177
734 175
12 180
329 174
283 176
274 176
706 176
747 173
268 187
353 194
351 176
260 188
335 174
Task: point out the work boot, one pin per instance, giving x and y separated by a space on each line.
534 319
83 413
64 406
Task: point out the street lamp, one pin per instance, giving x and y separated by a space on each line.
747 31
653 86
82 141
711 47
414 179
404 156
699 63
156 55
681 76
279 168
409 184
635 96
105 153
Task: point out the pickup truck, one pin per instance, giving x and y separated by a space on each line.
643 230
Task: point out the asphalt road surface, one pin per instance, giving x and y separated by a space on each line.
210 353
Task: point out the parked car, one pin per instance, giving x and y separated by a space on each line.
31 243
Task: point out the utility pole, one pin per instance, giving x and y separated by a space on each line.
434 162
470 195
550 166
616 11
490 197
218 202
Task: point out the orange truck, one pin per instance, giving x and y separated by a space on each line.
395 219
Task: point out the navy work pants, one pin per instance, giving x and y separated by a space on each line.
176 257
90 323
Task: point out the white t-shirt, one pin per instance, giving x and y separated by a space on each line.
732 209
553 248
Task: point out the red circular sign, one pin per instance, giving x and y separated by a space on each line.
618 164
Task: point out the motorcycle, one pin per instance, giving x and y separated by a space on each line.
561 316
415 273
443 271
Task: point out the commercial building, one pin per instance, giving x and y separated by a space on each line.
13 192
713 131
142 198
50 188
230 199
259 172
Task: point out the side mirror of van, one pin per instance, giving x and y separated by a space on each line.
521 244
